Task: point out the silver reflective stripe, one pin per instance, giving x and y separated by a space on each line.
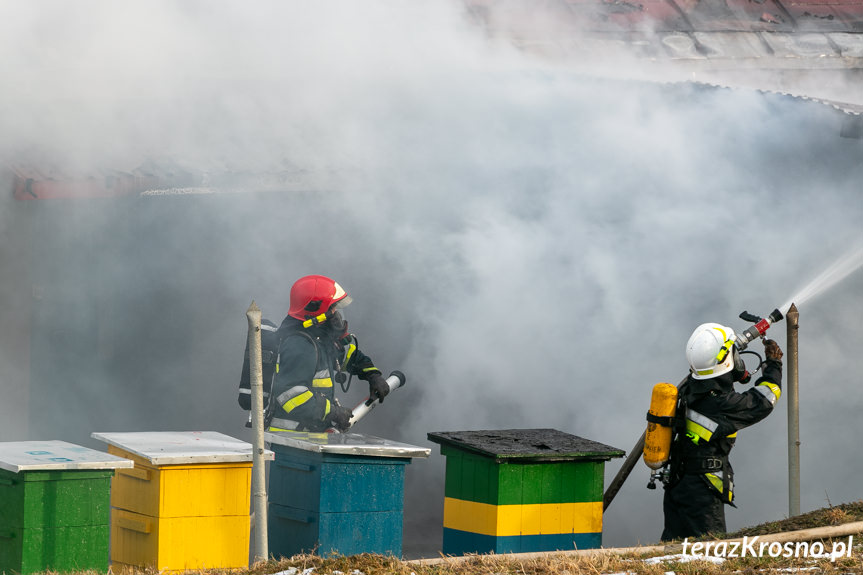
269 327
699 426
283 423
286 396
702 420
767 392
322 379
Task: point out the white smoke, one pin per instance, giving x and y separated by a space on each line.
531 246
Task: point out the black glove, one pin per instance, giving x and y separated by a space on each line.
772 350
378 387
340 417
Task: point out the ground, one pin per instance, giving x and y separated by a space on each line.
655 562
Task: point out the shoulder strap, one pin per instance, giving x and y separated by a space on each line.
271 406
678 429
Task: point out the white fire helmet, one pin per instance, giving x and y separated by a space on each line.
709 350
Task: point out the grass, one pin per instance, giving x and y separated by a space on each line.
598 564
838 515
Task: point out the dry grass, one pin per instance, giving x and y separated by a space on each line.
558 565
845 513
600 564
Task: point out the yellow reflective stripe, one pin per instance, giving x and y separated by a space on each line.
700 425
326 409
317 319
703 371
281 424
292 404
716 481
723 351
769 390
322 378
350 352
698 430
732 434
372 368
531 519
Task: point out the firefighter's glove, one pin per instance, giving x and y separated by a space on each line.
771 350
340 417
378 387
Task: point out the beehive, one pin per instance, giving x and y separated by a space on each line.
337 493
54 507
186 503
522 490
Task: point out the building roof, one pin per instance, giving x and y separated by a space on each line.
811 47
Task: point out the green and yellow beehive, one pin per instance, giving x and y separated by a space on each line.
521 490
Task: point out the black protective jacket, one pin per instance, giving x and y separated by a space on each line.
702 479
310 361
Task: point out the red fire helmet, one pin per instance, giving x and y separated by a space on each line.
313 295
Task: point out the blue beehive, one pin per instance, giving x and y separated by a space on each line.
336 493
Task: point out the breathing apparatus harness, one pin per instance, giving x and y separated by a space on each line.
337 324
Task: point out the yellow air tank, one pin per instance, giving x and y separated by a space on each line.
657 440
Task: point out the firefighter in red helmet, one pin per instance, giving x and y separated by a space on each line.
316 351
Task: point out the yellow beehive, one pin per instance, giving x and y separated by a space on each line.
181 490
185 504
179 543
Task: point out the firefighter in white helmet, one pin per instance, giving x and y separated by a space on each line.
702 481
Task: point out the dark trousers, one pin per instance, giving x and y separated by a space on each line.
692 508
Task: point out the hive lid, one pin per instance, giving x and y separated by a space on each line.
17 456
182 447
536 444
345 444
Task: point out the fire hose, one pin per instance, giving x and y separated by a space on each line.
395 380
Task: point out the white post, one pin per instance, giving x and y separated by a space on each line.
259 487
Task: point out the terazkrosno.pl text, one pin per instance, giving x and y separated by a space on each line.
752 547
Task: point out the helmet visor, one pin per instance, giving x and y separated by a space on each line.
342 303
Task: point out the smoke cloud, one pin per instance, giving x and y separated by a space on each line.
531 244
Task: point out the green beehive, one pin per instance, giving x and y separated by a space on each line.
54 506
521 490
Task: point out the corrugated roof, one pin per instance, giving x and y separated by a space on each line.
823 16
707 39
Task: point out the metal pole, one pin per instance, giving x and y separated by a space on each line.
792 318
628 466
256 380
623 472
